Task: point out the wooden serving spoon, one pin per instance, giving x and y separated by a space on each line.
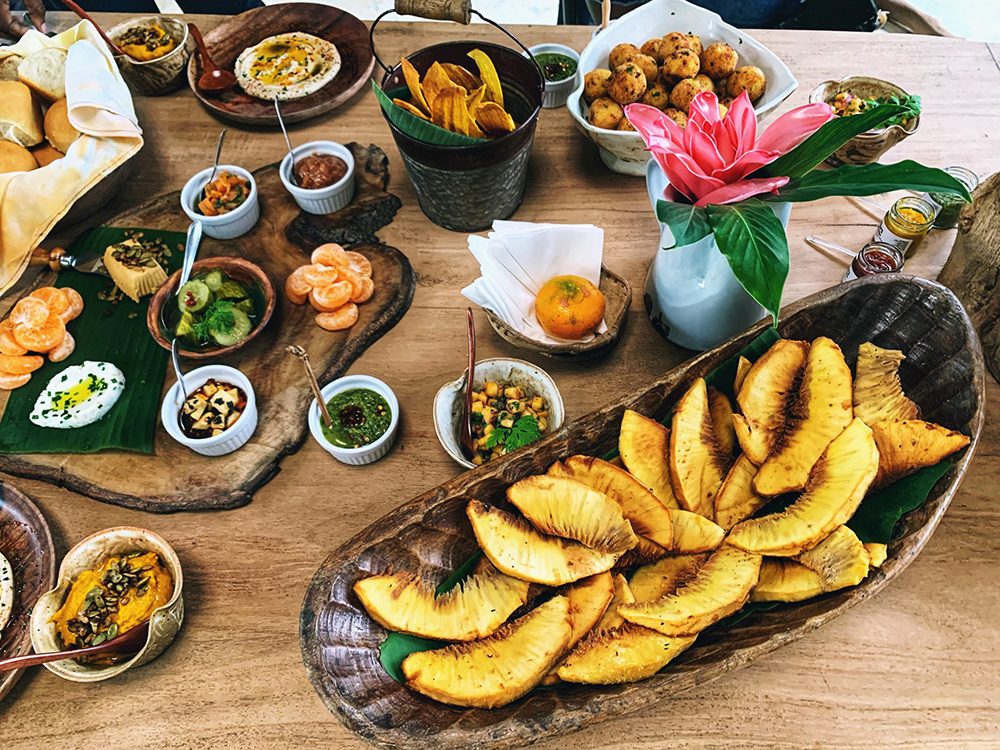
129 642
115 49
213 80
465 438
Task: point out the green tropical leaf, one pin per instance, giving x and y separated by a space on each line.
827 139
417 127
753 240
870 179
881 510
688 223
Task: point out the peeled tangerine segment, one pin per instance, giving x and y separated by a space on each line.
560 506
30 312
62 352
664 576
736 499
330 297
8 344
836 487
588 601
627 654
75 304
764 395
840 560
622 595
14 365
496 670
878 394
647 515
643 444
907 446
821 409
55 299
41 338
473 609
718 589
517 549
697 462
695 533
330 255
784 580
9 382
338 320
359 264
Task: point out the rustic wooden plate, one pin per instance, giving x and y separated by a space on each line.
176 478
26 542
227 40
943 373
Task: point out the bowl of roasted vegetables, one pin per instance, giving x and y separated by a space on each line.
223 200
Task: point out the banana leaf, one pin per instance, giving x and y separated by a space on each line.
417 127
104 332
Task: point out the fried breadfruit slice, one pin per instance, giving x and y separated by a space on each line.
736 499
719 588
820 411
877 553
878 394
588 601
907 446
517 549
564 507
626 654
622 595
647 515
643 444
664 576
743 366
836 487
473 609
765 394
646 551
498 669
785 580
697 461
722 421
695 533
840 560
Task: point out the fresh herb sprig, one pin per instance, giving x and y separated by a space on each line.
910 101
218 318
524 431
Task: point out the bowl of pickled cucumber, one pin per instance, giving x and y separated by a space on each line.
224 304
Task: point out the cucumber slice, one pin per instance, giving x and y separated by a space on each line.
194 296
185 325
213 280
246 305
231 290
241 329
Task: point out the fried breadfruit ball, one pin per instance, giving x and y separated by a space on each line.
595 84
674 41
621 54
681 64
677 116
605 113
648 66
748 78
695 41
718 60
684 92
654 48
625 125
627 84
705 81
657 96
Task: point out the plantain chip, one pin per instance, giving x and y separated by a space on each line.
462 76
410 108
435 82
494 92
475 98
449 111
493 119
911 444
413 84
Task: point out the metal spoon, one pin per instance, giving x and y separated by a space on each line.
213 80
175 357
129 642
465 438
288 143
190 252
218 155
301 353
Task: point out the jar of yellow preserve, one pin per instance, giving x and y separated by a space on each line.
906 223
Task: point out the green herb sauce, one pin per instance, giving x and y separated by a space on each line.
360 417
556 67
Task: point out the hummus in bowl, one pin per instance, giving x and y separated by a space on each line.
287 66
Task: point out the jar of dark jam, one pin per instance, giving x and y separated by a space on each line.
875 257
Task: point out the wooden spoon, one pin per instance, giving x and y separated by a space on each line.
213 78
115 49
129 642
465 438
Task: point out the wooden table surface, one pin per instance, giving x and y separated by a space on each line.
918 666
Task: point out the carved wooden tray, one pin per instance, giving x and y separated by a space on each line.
175 478
943 373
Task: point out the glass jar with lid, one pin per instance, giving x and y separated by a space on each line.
906 223
875 257
949 205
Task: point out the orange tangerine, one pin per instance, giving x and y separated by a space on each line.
329 298
41 338
317 275
64 349
9 382
340 319
367 290
8 345
357 285
296 288
359 264
331 255
55 299
75 301
569 307
30 312
22 365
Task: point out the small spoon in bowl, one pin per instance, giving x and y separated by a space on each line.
129 642
213 80
301 353
465 438
288 143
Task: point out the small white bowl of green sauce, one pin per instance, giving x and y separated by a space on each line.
365 415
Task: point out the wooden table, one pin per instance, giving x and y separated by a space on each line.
919 666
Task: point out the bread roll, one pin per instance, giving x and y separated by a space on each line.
45 73
15 158
44 154
8 67
20 117
58 130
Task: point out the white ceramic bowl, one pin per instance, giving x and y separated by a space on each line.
323 200
163 623
228 440
229 225
449 399
556 92
623 151
366 454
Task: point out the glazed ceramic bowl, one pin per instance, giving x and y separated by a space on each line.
324 200
450 397
164 74
867 147
555 93
366 454
229 225
623 151
164 622
228 440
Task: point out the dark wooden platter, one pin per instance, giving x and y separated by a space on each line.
943 373
175 478
26 542
228 40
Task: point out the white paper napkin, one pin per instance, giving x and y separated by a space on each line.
518 257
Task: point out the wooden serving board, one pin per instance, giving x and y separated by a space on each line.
943 373
175 478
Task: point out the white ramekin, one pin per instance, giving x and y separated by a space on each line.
323 200
366 454
228 440
555 93
229 225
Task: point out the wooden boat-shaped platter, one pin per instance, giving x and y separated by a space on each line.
943 373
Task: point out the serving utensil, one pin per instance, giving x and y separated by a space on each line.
175 358
825 246
301 353
218 155
465 438
288 143
115 49
605 13
129 642
190 251
213 79
57 259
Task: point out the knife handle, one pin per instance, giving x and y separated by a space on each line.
51 258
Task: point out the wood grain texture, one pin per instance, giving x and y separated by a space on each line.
917 667
228 40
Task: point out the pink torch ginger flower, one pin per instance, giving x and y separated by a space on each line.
708 161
